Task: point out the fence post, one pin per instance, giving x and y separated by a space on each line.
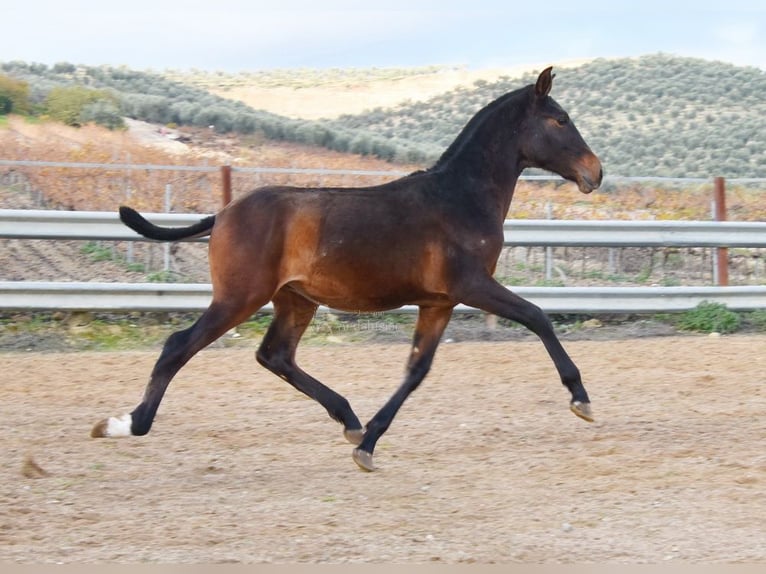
166 246
226 181
722 253
549 249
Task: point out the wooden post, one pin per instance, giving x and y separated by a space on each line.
226 181
722 253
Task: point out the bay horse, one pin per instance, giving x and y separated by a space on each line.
430 239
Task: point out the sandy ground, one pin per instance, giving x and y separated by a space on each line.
484 464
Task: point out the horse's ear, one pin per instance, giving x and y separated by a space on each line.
544 82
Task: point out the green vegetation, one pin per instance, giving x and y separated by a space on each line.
165 276
76 331
756 319
154 98
73 105
14 96
78 105
97 251
710 317
652 116
656 115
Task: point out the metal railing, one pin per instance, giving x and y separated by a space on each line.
73 296
61 225
106 226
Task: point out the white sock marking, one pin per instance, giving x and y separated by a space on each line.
118 426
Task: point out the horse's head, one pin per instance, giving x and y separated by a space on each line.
551 140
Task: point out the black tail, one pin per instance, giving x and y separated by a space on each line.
141 225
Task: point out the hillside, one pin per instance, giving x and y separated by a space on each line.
656 115
148 144
328 94
651 116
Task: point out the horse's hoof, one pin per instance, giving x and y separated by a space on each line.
354 436
582 410
363 459
99 429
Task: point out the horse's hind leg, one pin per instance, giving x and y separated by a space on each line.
292 315
179 348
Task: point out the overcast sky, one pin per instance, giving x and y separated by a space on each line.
240 35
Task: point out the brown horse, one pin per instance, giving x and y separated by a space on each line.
430 239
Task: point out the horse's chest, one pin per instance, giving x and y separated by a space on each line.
484 248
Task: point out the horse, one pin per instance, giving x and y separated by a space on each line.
430 239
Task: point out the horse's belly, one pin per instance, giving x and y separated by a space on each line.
366 298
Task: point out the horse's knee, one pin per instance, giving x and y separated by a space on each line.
263 356
273 360
175 345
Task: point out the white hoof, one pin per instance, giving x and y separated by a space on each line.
113 427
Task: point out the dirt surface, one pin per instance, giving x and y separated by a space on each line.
484 463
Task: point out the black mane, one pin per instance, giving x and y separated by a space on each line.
468 132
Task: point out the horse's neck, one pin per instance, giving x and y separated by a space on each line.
484 170
482 165
479 194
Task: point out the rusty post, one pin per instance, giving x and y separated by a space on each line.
226 181
722 253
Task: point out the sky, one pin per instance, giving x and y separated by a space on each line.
250 35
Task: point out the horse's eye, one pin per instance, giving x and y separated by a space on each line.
562 120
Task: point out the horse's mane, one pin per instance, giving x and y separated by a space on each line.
469 131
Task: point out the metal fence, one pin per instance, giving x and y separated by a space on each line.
105 226
537 260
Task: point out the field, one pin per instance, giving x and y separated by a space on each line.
484 464
329 94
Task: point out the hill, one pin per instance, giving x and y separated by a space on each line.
652 116
97 188
657 115
154 98
328 94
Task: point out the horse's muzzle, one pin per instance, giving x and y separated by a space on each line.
589 174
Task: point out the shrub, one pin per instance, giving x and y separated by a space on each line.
66 104
103 113
757 318
14 96
708 317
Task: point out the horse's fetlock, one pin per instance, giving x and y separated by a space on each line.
571 377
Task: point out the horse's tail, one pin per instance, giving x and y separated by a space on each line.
143 226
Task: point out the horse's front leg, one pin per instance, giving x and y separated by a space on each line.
428 331
488 295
